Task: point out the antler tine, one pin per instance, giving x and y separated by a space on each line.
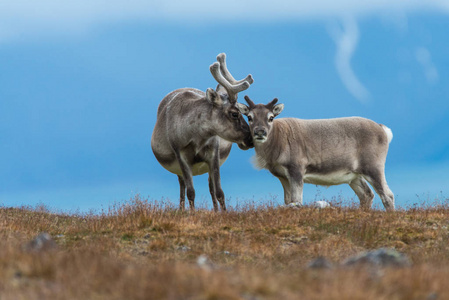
232 89
221 58
250 102
272 103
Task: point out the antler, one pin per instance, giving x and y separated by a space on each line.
272 103
221 58
221 74
232 89
250 102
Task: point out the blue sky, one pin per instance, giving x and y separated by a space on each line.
80 84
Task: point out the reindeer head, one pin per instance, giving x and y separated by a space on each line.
226 115
260 117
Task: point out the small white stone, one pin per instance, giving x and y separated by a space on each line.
321 204
204 263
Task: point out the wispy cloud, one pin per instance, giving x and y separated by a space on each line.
49 16
424 58
346 39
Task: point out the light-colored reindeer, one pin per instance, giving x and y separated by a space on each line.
323 152
194 132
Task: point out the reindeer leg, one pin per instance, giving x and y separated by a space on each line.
212 192
182 193
296 191
377 179
214 180
363 191
295 179
287 190
291 180
187 177
219 191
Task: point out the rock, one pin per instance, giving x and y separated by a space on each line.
42 242
321 204
183 248
204 263
140 252
250 297
382 257
296 239
226 253
320 263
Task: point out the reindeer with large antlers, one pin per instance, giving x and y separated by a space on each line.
194 132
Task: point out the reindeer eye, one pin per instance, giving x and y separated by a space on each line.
271 119
234 115
250 119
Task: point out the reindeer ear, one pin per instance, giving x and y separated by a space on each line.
277 109
213 97
221 89
244 110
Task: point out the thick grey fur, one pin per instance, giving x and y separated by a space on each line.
195 130
324 152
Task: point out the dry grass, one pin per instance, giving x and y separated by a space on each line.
143 250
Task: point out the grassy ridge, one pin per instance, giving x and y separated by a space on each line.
143 250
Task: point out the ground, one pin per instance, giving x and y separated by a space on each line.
147 250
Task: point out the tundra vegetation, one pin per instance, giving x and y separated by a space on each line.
151 250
